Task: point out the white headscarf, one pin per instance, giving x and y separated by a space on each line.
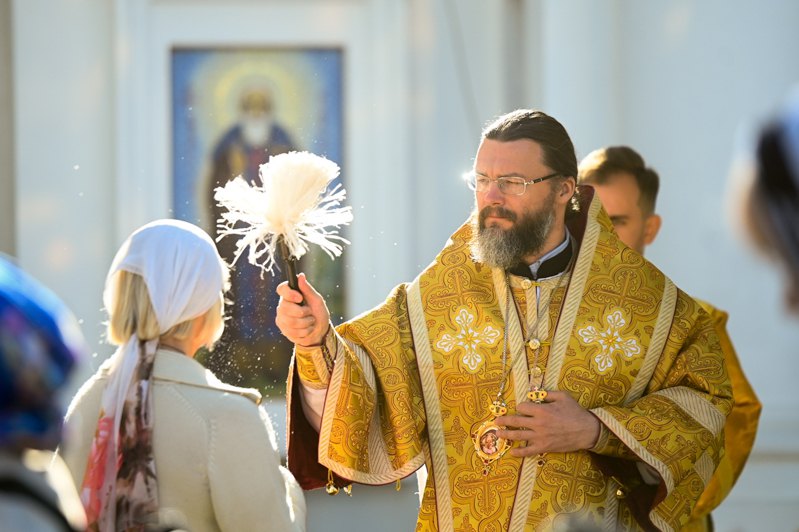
185 276
180 266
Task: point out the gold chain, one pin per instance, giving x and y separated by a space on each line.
487 443
536 393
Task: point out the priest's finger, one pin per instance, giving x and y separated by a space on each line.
295 324
516 421
516 435
287 309
294 331
285 292
529 408
291 307
530 449
309 293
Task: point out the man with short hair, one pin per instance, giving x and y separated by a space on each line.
628 190
603 382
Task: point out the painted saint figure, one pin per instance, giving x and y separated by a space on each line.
251 330
489 442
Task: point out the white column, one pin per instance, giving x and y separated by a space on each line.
576 78
64 148
7 207
377 148
458 83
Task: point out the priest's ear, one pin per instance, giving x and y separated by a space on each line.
651 228
565 189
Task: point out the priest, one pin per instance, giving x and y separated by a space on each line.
544 372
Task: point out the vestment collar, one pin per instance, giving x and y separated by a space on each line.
550 264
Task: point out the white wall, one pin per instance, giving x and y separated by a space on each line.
64 148
673 78
681 81
457 84
716 69
7 244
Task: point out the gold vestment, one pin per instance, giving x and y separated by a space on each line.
739 431
413 378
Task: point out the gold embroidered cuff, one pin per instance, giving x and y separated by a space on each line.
608 444
315 363
602 441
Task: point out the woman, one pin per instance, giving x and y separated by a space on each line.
158 441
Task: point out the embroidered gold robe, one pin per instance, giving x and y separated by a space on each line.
739 431
412 379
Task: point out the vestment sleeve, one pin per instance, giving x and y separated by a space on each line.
676 428
741 426
315 364
372 427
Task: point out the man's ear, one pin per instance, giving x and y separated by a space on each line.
566 188
651 228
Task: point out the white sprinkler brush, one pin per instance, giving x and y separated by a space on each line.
290 210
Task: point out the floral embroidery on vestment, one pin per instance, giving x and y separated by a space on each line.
610 341
468 338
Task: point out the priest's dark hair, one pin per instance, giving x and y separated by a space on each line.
535 125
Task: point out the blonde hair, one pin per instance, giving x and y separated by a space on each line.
132 312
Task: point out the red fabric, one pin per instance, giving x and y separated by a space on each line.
303 442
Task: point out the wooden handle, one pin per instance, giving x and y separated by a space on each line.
290 262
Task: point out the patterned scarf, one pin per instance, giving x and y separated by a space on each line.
122 450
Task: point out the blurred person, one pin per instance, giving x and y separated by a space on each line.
769 204
607 399
40 344
628 190
157 440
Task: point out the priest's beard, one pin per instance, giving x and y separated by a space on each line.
505 248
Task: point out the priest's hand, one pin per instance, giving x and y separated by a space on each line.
558 425
303 324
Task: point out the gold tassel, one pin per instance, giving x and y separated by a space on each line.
399 484
330 487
